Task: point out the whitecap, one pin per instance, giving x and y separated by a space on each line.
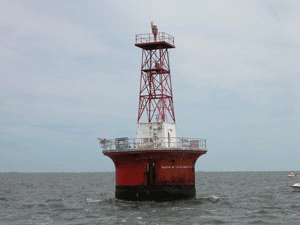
214 198
93 200
47 223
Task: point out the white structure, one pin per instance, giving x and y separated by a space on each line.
156 135
296 186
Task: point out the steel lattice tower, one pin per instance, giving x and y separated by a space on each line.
156 165
155 96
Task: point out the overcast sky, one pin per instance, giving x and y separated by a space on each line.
70 73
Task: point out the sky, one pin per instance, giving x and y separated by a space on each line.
69 73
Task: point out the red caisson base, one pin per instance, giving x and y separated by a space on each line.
158 175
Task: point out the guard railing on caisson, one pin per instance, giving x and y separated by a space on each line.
125 144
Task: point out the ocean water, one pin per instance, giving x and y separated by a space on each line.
88 198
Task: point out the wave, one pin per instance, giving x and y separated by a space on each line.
213 198
4 199
93 200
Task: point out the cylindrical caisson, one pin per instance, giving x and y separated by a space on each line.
158 175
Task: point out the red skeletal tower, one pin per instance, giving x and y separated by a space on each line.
155 96
156 165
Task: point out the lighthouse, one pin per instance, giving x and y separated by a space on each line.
156 164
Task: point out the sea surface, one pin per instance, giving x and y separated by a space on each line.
88 198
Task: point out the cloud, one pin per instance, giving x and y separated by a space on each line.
30 29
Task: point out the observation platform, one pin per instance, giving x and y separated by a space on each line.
156 70
148 42
126 144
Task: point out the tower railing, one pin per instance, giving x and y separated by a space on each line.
149 38
138 144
